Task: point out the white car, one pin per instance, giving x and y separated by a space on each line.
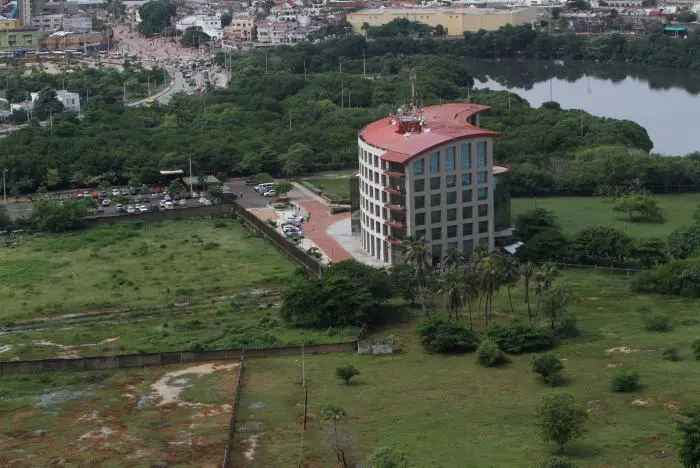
167 198
293 217
115 192
162 204
130 209
262 188
270 193
106 202
195 194
182 202
124 192
169 205
143 208
204 201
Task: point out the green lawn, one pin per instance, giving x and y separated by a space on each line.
576 213
135 265
334 187
448 411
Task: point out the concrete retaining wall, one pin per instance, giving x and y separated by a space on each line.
162 359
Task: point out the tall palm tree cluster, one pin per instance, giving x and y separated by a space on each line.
470 282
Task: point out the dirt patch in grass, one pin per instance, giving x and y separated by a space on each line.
168 388
621 349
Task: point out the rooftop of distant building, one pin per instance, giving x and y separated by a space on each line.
439 125
442 9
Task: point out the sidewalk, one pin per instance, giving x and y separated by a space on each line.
316 229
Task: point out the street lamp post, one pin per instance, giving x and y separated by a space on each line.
4 192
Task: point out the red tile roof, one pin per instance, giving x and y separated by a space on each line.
443 124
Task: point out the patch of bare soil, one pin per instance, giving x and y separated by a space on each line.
621 349
169 393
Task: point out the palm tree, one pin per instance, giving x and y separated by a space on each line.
527 271
334 415
490 276
510 274
451 289
452 259
543 278
415 254
471 288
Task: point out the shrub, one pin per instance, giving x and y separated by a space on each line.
625 380
696 349
387 457
657 322
490 355
346 373
558 462
518 338
671 354
440 336
567 328
548 366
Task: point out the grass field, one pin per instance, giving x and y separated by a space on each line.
134 265
178 414
334 187
448 411
576 213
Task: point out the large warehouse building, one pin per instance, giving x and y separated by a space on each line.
456 21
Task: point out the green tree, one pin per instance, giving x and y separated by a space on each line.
347 372
387 457
47 104
528 271
489 273
533 222
5 219
453 259
297 159
452 292
52 177
226 19
687 17
549 367
155 16
336 435
283 188
404 281
684 242
554 304
639 207
602 244
689 428
510 274
415 254
176 187
194 36
560 419
50 215
544 276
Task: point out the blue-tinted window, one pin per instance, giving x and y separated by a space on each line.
482 193
466 155
467 179
450 162
435 162
482 177
418 167
481 154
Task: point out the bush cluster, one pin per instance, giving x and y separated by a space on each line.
657 322
490 355
549 367
517 338
678 277
625 380
440 336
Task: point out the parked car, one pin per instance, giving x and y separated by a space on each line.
115 192
169 205
291 223
106 202
270 193
120 208
293 217
204 201
182 202
195 194
124 192
131 209
167 198
99 209
143 208
262 188
162 204
298 234
103 194
86 194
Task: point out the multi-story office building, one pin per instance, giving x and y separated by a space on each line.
429 173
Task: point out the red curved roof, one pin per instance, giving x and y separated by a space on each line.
443 124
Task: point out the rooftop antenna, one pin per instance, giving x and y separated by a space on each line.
412 79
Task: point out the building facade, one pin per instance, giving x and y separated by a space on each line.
210 25
429 173
48 22
456 21
20 40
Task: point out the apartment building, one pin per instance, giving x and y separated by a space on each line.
429 173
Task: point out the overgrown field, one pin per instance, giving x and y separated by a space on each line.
134 265
577 213
448 411
178 414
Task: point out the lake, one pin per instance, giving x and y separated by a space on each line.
664 101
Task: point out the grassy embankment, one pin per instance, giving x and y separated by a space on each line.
448 411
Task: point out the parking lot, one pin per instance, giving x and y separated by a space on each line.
252 199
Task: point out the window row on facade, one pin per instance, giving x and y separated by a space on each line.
448 161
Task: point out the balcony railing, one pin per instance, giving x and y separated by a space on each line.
395 207
394 175
396 224
397 190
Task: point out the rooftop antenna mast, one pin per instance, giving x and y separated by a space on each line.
412 79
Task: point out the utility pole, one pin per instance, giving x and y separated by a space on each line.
364 63
124 94
290 120
349 105
190 156
342 94
341 64
304 70
149 85
4 192
266 62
